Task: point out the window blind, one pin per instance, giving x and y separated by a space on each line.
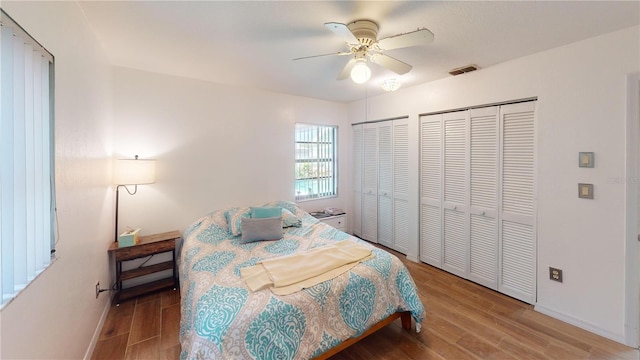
26 158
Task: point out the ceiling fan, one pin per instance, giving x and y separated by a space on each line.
361 40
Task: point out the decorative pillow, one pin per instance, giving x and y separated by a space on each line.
234 218
265 212
289 220
261 229
284 204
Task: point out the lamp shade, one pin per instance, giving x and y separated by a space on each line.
134 172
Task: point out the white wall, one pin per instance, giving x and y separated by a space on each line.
581 90
216 146
57 315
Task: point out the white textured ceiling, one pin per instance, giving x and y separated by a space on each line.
252 44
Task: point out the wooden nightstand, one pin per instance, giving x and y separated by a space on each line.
148 245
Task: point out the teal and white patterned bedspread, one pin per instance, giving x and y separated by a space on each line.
223 319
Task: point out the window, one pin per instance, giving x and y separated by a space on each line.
316 166
26 159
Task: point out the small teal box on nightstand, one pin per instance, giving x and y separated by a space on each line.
128 238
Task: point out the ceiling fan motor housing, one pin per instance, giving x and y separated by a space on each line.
365 31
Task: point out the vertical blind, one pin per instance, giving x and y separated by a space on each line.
26 158
315 161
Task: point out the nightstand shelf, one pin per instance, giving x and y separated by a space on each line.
148 246
134 291
146 270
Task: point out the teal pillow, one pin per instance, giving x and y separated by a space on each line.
265 212
234 218
283 204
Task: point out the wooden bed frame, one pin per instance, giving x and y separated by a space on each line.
405 318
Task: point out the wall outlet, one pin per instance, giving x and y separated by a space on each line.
97 289
555 274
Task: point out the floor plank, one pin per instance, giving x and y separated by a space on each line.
170 327
146 349
114 347
118 320
146 321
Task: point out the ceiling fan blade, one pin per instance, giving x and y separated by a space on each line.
390 63
343 31
414 38
339 53
346 71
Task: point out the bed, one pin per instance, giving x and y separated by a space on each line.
221 318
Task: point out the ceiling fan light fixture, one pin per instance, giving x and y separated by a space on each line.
391 84
360 73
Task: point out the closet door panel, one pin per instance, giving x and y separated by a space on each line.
385 183
518 263
369 217
431 234
357 213
455 158
430 158
483 196
483 251
358 141
455 242
483 164
385 221
401 214
517 227
401 185
431 190
455 228
370 183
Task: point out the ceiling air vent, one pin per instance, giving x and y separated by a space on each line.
464 69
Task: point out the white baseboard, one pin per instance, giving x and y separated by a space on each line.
413 257
96 333
581 324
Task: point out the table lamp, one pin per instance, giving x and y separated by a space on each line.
132 172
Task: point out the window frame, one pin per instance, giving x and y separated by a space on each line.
332 159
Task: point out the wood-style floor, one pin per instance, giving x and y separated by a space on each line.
146 327
463 321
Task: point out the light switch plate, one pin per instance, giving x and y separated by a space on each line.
586 159
585 191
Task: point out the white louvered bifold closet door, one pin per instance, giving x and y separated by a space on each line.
370 184
385 183
477 196
517 221
401 185
358 143
483 196
431 189
454 227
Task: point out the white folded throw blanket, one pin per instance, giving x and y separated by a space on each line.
288 274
